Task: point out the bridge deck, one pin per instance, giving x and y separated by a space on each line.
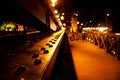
93 63
85 60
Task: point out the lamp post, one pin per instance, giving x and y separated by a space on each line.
107 15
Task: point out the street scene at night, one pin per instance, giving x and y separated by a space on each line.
59 40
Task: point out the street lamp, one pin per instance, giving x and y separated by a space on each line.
62 17
53 3
107 15
55 11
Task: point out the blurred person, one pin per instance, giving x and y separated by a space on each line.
73 31
80 33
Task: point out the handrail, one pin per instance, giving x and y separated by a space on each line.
35 62
108 41
54 51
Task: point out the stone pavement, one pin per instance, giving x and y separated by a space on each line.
93 63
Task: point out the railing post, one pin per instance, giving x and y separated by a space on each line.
107 44
118 49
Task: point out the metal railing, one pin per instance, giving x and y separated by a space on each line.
104 39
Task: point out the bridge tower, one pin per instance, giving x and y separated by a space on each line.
74 26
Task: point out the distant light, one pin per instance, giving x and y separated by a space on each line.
55 11
76 14
98 24
117 33
108 14
90 21
59 19
101 29
62 17
63 13
60 23
81 24
64 24
92 41
62 28
77 22
53 1
113 52
22 79
57 16
53 4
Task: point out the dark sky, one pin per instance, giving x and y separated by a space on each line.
91 7
97 9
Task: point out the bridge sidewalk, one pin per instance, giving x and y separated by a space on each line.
93 63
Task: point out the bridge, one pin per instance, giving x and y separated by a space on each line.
35 45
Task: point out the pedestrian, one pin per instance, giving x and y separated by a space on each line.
80 33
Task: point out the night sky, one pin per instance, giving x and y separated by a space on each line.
88 9
95 9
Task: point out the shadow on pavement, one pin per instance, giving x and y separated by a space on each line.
64 66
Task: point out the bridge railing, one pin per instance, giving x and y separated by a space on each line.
104 38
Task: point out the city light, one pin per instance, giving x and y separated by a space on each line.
99 29
108 14
77 22
62 17
53 5
55 11
57 16
53 1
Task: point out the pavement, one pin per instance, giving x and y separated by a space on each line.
92 62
